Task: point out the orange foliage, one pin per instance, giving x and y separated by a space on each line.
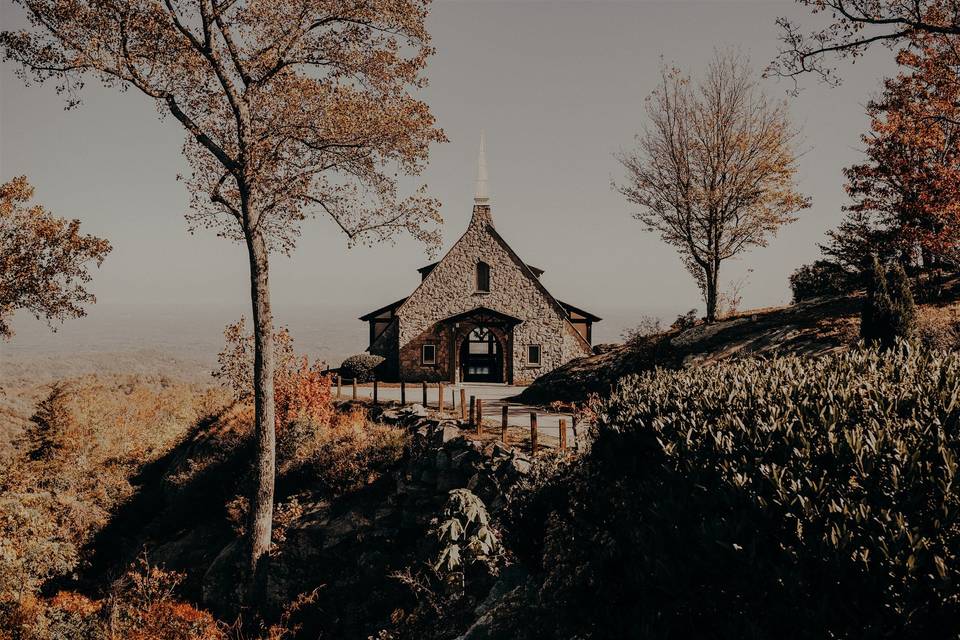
301 390
43 259
71 602
142 606
302 393
910 184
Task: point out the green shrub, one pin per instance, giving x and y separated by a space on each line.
889 311
465 535
794 498
903 316
360 367
822 278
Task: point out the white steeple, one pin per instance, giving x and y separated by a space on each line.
482 196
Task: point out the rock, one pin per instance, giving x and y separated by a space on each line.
463 456
342 527
384 513
220 587
417 410
520 466
447 481
449 433
500 450
473 482
392 416
422 423
512 587
428 476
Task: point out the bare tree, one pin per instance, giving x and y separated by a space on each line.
852 26
290 109
713 171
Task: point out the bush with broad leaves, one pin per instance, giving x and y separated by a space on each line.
791 497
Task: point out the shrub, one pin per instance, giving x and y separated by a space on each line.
822 278
235 361
343 456
764 498
903 315
685 321
301 390
360 367
648 326
938 328
889 312
465 536
302 393
140 606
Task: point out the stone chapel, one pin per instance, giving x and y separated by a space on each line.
480 314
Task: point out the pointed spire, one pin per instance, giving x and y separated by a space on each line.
482 196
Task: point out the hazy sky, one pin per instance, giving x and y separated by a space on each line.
557 86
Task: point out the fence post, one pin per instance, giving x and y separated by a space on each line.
573 426
463 404
403 393
339 380
376 391
533 432
354 388
563 434
479 416
473 411
424 385
503 423
440 397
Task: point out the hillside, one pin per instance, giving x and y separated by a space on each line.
112 483
814 327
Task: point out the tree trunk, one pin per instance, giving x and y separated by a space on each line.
261 503
710 277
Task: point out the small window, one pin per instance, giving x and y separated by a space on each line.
428 354
533 354
483 276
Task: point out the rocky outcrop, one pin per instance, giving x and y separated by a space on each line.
347 548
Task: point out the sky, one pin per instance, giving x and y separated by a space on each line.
557 86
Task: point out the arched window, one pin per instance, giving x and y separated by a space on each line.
483 276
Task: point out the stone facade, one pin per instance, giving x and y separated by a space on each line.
447 306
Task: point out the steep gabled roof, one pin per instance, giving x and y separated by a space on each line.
424 270
586 314
390 307
536 282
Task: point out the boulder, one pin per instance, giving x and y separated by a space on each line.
448 433
220 588
343 527
415 410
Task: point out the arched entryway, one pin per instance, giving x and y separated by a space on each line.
481 356
481 345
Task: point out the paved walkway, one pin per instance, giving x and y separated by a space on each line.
494 397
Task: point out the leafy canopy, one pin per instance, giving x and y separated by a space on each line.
44 260
291 108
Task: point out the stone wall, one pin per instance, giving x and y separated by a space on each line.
450 289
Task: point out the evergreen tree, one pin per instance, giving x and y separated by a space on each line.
903 311
877 304
889 311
